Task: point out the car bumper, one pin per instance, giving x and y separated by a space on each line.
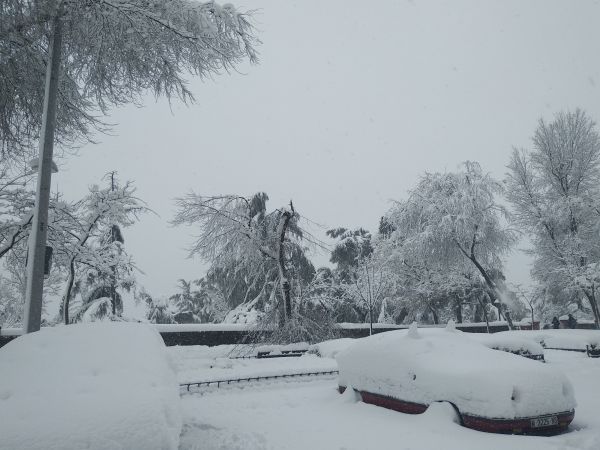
520 425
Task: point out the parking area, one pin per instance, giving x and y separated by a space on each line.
302 414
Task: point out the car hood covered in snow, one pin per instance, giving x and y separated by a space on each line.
442 365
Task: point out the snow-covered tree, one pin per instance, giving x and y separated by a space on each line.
350 247
63 63
159 309
555 192
16 198
368 285
238 237
112 53
11 303
351 254
450 232
98 265
425 286
198 302
16 202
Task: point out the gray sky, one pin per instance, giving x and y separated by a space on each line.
351 102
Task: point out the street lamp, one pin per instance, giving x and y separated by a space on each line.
36 256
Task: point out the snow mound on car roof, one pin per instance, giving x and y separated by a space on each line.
448 366
93 386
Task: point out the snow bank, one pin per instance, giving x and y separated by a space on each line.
442 365
94 386
228 369
330 349
200 364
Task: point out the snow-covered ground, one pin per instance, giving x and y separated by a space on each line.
306 413
113 386
201 364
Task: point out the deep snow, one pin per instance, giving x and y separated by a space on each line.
299 414
201 364
116 389
93 386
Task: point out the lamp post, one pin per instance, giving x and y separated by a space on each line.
32 316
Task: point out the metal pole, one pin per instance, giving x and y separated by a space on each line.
39 229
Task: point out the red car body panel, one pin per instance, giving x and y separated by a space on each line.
487 424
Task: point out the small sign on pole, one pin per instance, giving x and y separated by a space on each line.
48 261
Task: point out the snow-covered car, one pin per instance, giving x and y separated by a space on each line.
587 341
490 390
518 345
330 348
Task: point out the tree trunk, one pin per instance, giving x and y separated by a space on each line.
69 288
477 313
283 272
495 300
436 319
459 314
532 318
492 288
401 316
591 296
509 320
67 296
485 316
113 299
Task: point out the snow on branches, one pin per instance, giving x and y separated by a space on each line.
114 51
554 190
449 233
247 245
88 254
98 265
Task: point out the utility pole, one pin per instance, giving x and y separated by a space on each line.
39 229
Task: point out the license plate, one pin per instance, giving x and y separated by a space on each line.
544 421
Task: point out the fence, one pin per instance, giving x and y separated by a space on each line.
218 383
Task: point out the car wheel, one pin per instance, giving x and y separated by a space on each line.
446 409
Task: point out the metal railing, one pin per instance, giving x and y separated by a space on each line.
218 383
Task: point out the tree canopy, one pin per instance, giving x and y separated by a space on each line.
554 189
114 51
449 235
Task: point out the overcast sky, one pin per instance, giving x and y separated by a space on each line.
351 102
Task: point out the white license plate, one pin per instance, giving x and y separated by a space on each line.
544 421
